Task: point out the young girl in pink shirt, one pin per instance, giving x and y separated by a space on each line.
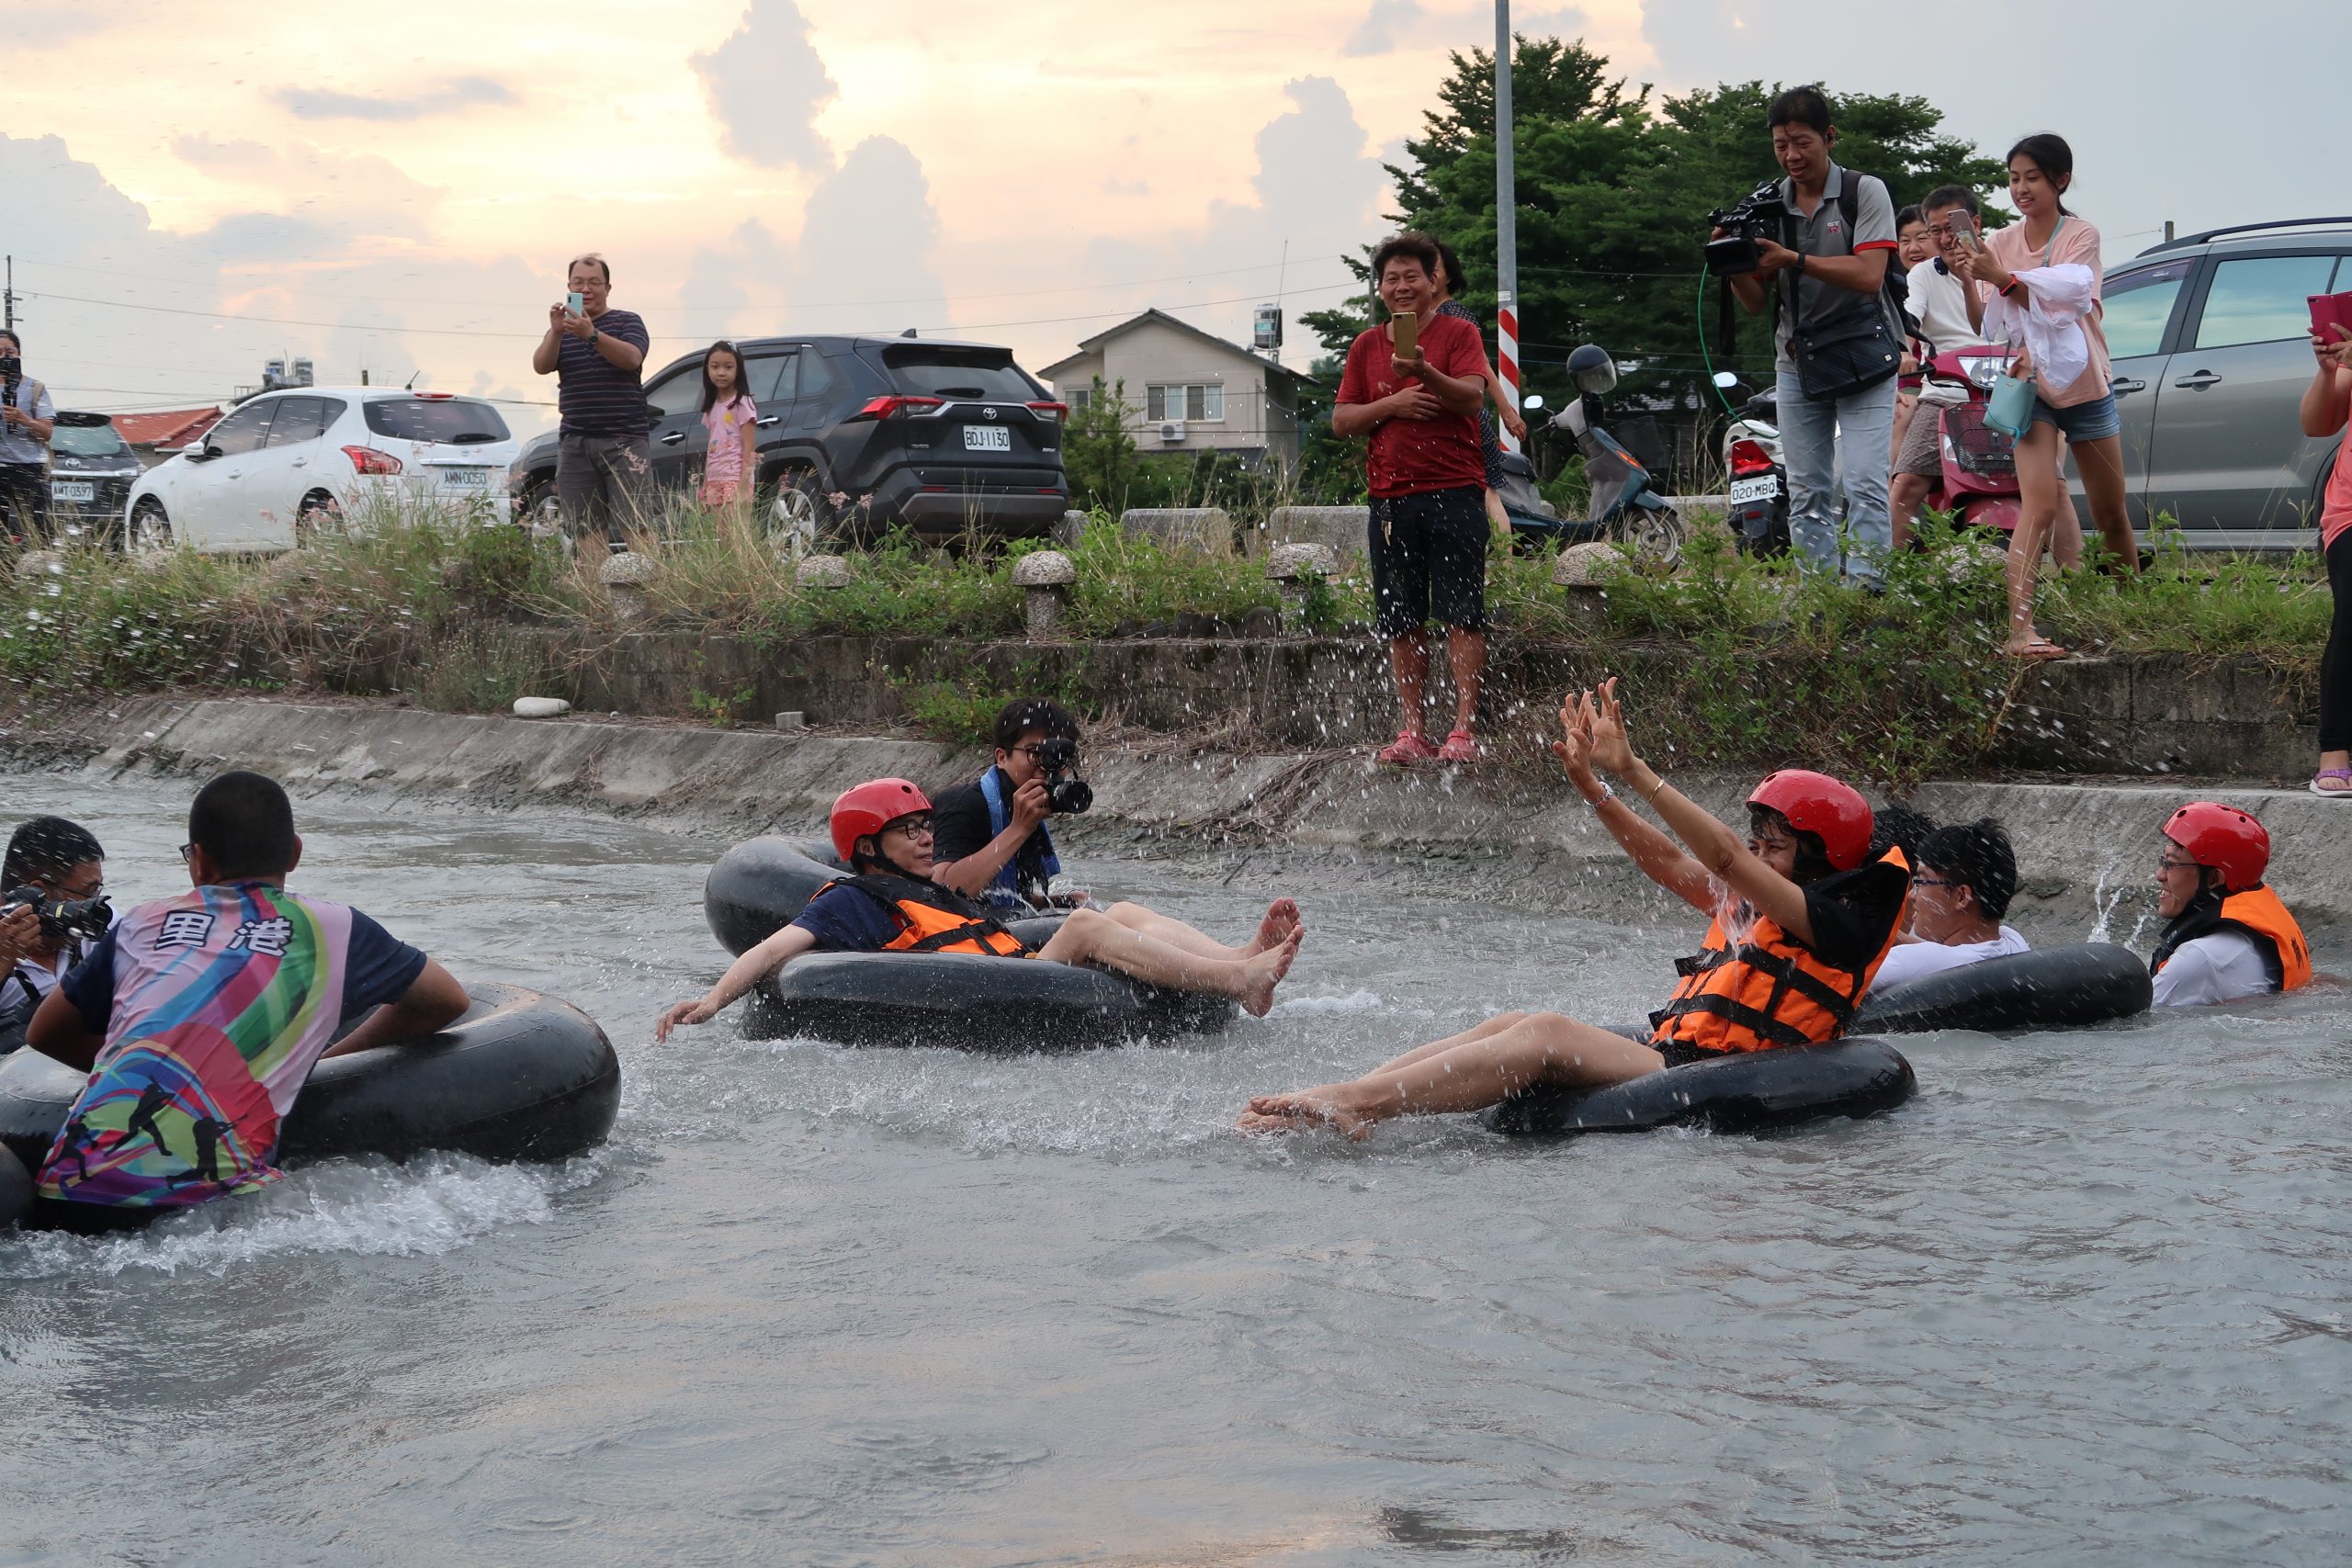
2327 402
728 417
2037 283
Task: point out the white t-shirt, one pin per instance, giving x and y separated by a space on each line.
14 1006
1942 305
2218 968
1915 960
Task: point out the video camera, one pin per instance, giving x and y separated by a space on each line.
1069 794
62 918
1758 215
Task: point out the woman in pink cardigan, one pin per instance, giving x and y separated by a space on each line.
2038 288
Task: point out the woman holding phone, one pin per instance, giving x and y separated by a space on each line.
2327 403
2037 284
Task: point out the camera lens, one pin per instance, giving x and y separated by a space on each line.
1069 798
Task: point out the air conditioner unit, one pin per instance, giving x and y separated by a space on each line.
1171 431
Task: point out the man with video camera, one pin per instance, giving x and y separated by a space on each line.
27 417
992 843
52 906
1839 334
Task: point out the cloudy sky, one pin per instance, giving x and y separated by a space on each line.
192 188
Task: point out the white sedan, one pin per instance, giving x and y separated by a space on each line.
281 464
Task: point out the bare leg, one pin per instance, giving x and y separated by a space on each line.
1493 1026
2036 463
1091 936
1408 661
2101 465
1498 519
1904 499
1538 1048
1466 653
2066 533
1281 920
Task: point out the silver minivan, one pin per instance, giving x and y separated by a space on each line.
2210 338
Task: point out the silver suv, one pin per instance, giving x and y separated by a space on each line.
2211 336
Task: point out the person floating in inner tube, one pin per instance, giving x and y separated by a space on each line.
992 840
1800 920
1967 875
889 903
2226 935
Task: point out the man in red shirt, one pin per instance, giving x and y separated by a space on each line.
1428 481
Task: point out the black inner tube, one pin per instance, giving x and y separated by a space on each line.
2049 988
1748 1091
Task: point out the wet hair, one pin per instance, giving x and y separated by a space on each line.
1021 714
1806 106
1895 826
602 266
14 341
1977 853
1409 245
44 848
1909 216
1813 855
2052 156
710 387
1942 197
1454 280
246 824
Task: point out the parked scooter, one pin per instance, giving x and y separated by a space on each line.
1979 487
1750 451
1625 504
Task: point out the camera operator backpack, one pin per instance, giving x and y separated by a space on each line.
1898 282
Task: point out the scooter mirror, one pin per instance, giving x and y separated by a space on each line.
1726 380
1533 401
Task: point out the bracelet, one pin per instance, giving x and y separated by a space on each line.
1607 795
1800 263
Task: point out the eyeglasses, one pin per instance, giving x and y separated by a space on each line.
912 828
1036 751
2167 863
77 894
1919 879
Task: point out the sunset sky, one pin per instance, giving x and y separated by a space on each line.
192 188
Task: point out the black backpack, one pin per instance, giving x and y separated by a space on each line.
1897 286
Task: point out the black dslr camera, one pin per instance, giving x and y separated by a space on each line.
1069 794
1758 215
61 919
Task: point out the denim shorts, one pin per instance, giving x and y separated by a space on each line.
2093 421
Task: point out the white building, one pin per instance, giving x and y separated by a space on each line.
1188 391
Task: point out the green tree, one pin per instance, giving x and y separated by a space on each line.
1097 452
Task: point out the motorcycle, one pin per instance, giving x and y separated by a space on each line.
1626 505
1979 486
1750 452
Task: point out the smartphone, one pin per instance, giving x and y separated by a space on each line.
1409 336
2330 310
575 304
1965 233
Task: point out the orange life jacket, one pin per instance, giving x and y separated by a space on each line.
932 919
1768 990
2258 913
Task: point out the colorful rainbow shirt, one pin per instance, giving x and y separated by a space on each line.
216 1004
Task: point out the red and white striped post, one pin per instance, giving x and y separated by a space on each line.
1507 353
1506 221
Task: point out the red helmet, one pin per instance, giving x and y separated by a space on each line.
2223 838
870 807
1815 803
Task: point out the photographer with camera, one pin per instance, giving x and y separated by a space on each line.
993 844
1816 247
27 417
52 906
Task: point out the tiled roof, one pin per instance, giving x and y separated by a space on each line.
165 428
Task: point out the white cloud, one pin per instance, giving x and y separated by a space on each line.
1376 34
457 93
766 85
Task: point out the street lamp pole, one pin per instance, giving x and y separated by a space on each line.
1506 221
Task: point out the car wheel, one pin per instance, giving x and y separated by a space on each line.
319 512
150 533
537 511
793 510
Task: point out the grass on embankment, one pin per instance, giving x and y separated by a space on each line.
1767 665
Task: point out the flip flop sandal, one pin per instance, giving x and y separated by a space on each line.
2342 779
2040 648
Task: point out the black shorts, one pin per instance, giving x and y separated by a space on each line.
1429 560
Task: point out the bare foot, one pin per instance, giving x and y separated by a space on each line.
1305 1108
1282 918
1263 973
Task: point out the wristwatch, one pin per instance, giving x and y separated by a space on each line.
593 334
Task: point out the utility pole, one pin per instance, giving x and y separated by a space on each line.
9 298
1506 221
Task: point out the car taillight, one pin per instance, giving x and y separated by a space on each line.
893 406
1050 414
1748 457
367 460
434 397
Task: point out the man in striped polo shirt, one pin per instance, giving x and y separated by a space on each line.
603 462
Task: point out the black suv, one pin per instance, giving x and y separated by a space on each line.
90 473
857 434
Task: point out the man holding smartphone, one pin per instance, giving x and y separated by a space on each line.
27 417
604 464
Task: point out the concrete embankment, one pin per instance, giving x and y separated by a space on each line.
1515 837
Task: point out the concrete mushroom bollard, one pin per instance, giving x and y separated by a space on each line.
1292 568
1044 577
40 563
821 571
1585 571
627 573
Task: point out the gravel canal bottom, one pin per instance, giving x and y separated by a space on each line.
2081 1301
